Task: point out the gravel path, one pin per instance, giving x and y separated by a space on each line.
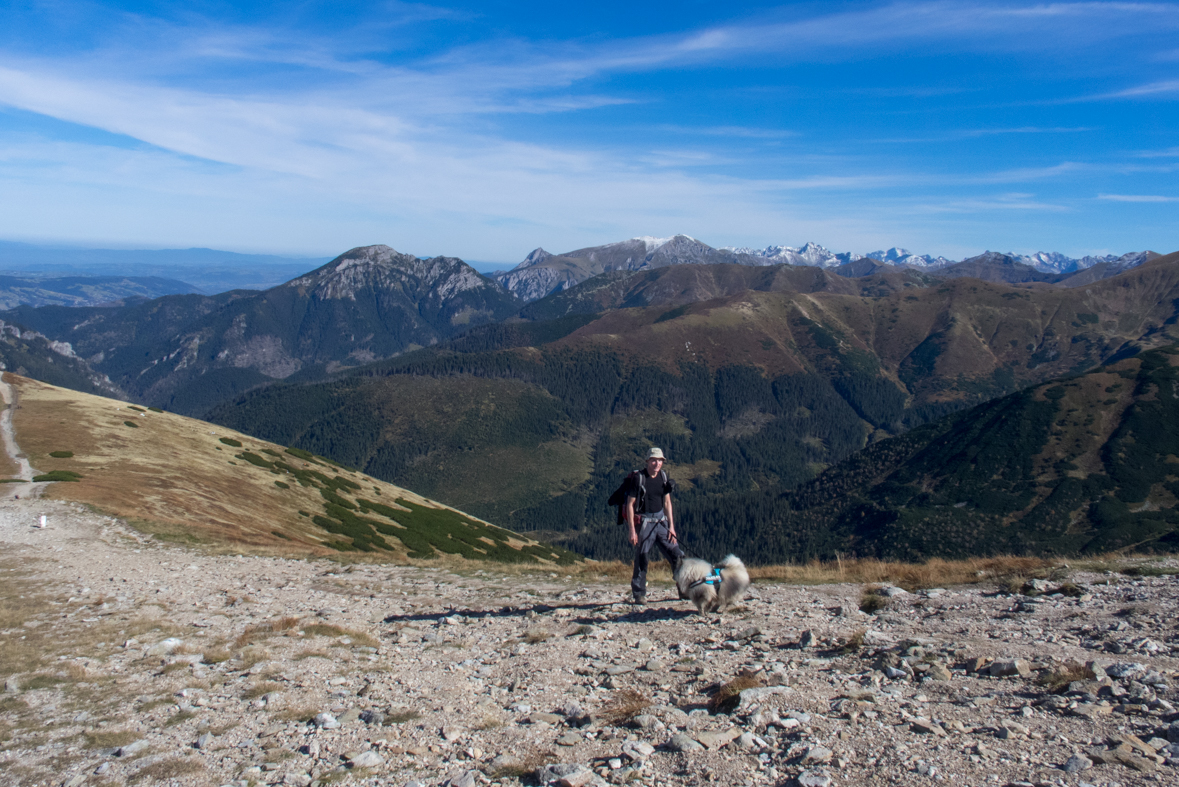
155 664
8 442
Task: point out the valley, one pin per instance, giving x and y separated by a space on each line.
755 377
188 603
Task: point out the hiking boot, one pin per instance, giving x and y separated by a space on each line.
640 598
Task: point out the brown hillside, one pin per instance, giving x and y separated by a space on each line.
179 478
938 341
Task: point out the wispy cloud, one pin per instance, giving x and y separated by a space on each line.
1151 89
1026 174
1023 202
742 132
976 133
1167 153
1137 198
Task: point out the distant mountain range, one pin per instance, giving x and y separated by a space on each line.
209 271
753 379
814 254
188 352
48 290
754 375
543 273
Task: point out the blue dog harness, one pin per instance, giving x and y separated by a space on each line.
712 579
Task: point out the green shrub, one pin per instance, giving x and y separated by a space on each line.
136 409
255 460
58 475
283 536
281 485
232 442
131 424
155 409
872 602
61 454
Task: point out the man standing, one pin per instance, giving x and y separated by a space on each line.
651 521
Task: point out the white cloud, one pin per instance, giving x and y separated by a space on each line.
1137 198
1151 89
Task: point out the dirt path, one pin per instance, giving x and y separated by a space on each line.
12 450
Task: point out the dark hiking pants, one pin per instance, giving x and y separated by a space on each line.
653 532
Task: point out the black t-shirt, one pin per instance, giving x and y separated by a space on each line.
656 488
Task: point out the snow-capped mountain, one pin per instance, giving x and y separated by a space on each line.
542 272
809 254
815 255
899 256
1055 262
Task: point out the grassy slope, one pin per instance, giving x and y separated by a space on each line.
174 476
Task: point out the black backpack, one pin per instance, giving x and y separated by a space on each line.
633 480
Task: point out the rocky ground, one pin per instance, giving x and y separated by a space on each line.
131 661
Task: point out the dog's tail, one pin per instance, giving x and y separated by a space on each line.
731 561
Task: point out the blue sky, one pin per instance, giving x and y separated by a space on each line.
484 130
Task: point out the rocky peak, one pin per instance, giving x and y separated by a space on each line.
679 250
993 258
538 255
383 267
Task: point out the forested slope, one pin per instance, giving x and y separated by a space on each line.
1080 465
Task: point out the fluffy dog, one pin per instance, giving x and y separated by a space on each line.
712 588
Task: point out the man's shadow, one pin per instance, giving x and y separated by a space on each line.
650 613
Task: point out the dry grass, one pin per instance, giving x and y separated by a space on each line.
153 704
724 698
41 681
853 643
254 654
265 629
534 636
257 690
624 706
300 713
163 770
402 717
176 666
526 766
180 718
216 655
110 739
21 599
328 630
1058 679
911 576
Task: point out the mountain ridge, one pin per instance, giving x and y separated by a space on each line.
368 303
542 273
